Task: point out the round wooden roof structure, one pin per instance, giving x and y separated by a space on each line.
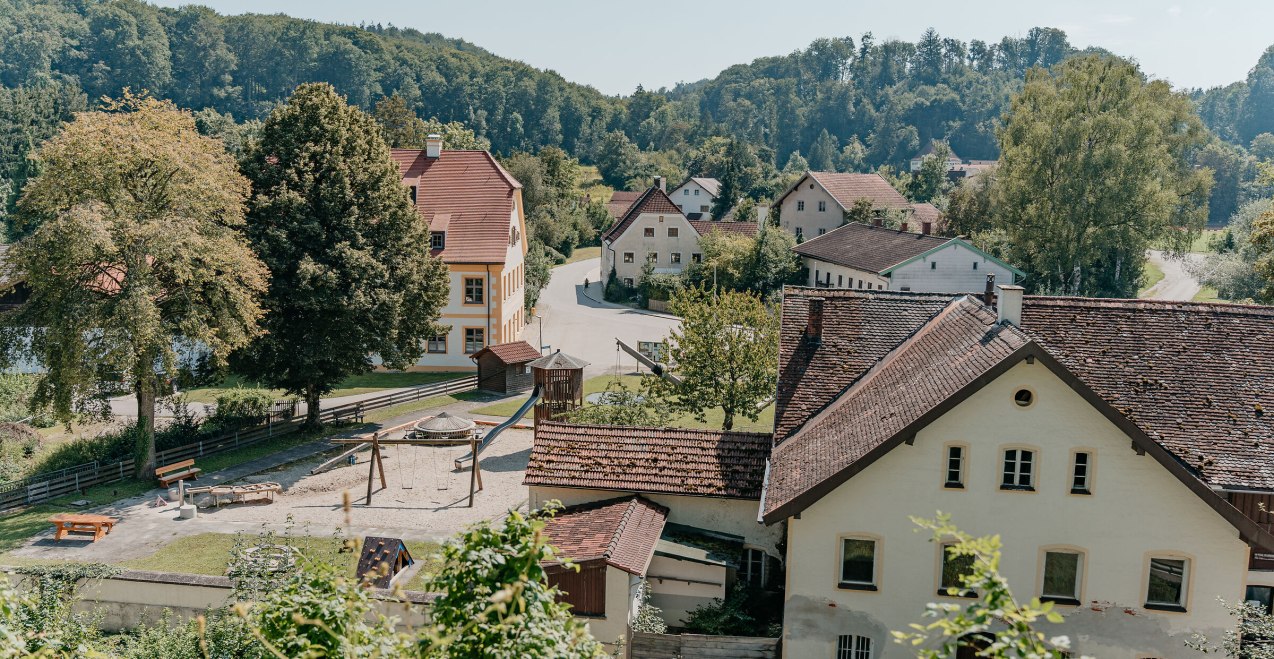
445 425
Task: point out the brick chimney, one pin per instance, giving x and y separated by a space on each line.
988 295
814 322
1009 304
926 228
433 145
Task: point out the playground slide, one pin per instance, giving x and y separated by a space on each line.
495 432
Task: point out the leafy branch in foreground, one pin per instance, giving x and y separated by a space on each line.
1251 638
1008 625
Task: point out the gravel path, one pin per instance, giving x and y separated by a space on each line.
1177 285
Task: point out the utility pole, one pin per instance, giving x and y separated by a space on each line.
540 319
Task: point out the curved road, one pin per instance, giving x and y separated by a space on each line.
1177 285
585 327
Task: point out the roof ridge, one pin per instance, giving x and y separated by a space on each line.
1143 303
701 431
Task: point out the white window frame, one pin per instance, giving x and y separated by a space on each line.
1187 569
1076 597
674 257
822 206
1015 465
874 584
629 257
853 646
751 556
800 204
961 470
1089 460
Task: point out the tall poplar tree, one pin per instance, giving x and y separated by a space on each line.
351 276
133 257
1094 169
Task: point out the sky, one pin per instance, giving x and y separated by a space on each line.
615 46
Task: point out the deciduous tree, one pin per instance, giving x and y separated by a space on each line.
351 276
134 257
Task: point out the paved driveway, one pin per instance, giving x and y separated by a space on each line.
1177 285
583 326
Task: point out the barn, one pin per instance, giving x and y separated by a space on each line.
503 368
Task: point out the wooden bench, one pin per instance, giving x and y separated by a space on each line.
177 471
96 525
354 414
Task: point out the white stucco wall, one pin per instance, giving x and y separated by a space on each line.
621 591
809 220
688 201
841 276
634 240
1136 507
949 270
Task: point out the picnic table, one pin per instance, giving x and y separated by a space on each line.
237 493
98 525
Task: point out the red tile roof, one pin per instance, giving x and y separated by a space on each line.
713 463
652 200
866 247
517 352
620 202
926 213
846 188
1189 382
705 227
623 532
468 191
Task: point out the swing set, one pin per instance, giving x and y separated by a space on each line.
443 430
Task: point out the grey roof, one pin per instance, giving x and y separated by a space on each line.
868 248
710 185
444 423
558 360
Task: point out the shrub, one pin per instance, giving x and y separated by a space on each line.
242 407
18 447
16 390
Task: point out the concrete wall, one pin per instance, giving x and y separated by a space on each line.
809 221
136 596
949 270
1137 508
634 241
691 198
678 586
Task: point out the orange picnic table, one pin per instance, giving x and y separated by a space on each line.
98 525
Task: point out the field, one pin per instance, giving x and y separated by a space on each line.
713 419
358 384
1149 277
583 253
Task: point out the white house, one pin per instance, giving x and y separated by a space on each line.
474 211
817 203
655 230
704 485
1110 444
918 160
865 256
695 196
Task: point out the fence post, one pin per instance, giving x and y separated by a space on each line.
77 481
201 448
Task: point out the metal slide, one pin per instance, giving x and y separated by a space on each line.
495 432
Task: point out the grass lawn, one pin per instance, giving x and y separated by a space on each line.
209 553
1207 294
1149 277
582 253
358 384
714 418
1200 243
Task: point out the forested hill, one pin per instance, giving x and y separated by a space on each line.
243 65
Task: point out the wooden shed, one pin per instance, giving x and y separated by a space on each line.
503 368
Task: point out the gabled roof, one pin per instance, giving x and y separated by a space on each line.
690 462
558 360
470 193
932 146
847 188
710 185
926 212
705 227
868 248
652 200
516 352
1187 382
621 201
622 532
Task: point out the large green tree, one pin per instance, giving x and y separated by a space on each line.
1093 170
134 258
725 354
404 129
351 277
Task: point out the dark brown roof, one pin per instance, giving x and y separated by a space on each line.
517 352
467 194
653 200
1188 382
868 248
846 188
926 212
620 202
706 227
623 532
859 329
713 463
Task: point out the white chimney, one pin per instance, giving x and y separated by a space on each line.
1009 304
659 183
433 145
762 213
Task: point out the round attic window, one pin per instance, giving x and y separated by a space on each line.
1024 397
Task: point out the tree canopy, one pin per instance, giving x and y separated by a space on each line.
349 279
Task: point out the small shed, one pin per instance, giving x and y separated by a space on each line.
503 368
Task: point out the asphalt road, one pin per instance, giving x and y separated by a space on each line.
1177 285
583 326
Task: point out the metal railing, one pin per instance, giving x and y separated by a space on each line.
50 485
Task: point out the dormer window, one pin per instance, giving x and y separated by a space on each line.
413 195
437 239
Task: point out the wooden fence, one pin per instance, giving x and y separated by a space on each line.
42 487
695 646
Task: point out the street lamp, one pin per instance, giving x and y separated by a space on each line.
540 318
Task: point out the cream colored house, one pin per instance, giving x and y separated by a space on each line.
1107 442
816 204
863 256
655 230
695 196
707 482
476 223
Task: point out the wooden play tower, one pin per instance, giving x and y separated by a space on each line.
559 378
